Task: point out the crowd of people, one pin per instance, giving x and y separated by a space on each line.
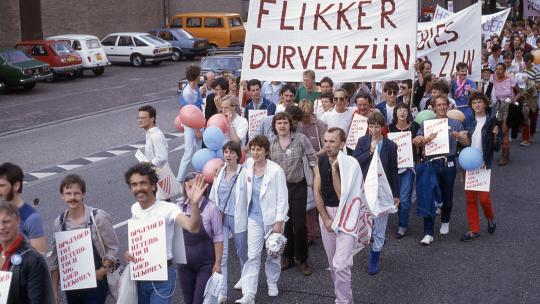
291 182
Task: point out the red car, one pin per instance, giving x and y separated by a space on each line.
58 54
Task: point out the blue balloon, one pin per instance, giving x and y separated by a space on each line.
201 157
219 154
470 158
213 138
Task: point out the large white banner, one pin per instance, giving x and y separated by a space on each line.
348 41
491 24
457 38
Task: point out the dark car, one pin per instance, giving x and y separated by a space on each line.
20 70
221 61
184 45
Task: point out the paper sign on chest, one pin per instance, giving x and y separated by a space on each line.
146 242
441 143
405 149
5 282
478 180
358 129
255 119
75 259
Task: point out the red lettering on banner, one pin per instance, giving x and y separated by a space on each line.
434 33
385 13
319 15
356 65
341 16
380 66
287 56
278 55
259 48
362 14
318 57
344 218
454 33
302 15
303 59
263 11
404 62
282 25
342 60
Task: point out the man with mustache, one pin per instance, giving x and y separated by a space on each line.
31 223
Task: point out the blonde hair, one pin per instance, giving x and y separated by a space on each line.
307 107
234 102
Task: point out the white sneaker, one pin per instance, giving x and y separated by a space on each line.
273 290
222 299
445 227
247 299
238 285
427 240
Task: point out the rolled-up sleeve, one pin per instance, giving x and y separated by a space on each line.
52 255
216 225
108 236
308 150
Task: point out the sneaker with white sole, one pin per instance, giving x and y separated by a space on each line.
247 299
238 285
445 228
222 299
427 240
273 291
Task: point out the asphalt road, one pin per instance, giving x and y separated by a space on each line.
499 268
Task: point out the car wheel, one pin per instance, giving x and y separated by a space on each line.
98 71
137 60
156 62
190 57
177 55
72 75
213 46
3 86
29 86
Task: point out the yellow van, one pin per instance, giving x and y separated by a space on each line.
221 29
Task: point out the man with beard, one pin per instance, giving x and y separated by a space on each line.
31 223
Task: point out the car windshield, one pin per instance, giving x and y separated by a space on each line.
182 34
152 40
62 48
93 44
14 56
220 64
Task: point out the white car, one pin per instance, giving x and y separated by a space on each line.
89 48
136 48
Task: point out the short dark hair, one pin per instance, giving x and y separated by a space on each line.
495 48
286 88
401 106
235 147
376 118
254 82
222 82
12 173
408 82
72 179
442 85
281 116
193 72
328 95
508 55
150 110
422 64
390 85
260 141
6 207
528 56
327 80
364 95
502 65
144 169
475 95
461 65
296 113
342 136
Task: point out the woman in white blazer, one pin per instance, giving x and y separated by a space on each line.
225 192
265 200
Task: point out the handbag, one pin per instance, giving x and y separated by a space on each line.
127 289
115 271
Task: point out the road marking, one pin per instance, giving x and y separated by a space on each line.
95 159
120 224
43 174
178 148
118 152
69 167
137 146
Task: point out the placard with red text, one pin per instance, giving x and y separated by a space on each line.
255 119
75 259
403 141
5 282
478 180
146 242
441 143
357 130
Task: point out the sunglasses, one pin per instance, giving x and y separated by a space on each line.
391 92
339 98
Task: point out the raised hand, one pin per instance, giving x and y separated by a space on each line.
196 191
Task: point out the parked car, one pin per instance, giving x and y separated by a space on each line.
136 48
17 69
89 49
221 29
220 61
184 45
58 54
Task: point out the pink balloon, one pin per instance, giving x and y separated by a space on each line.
178 124
211 168
219 120
192 117
456 114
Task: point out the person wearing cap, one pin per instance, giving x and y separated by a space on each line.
485 85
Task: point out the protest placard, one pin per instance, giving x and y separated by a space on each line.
255 119
75 259
403 141
358 129
478 180
491 24
317 105
5 282
456 38
531 8
441 143
146 242
284 38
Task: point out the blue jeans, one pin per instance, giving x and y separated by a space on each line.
379 230
240 243
406 182
157 292
446 175
191 145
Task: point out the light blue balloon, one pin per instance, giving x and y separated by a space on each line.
470 158
213 138
201 157
219 154
424 115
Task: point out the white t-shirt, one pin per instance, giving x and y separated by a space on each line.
339 120
168 211
189 94
156 148
389 113
476 140
240 125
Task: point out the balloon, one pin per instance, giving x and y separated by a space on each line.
213 138
470 158
219 154
536 56
220 121
211 168
456 114
201 157
243 157
192 117
178 124
424 115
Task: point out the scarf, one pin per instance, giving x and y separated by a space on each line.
10 250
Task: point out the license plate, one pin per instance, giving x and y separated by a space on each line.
98 57
163 50
71 59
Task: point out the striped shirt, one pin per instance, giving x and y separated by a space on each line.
290 159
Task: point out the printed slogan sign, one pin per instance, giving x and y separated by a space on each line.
454 39
478 180
146 243
5 282
344 40
75 259
491 24
441 143
358 129
405 150
255 119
